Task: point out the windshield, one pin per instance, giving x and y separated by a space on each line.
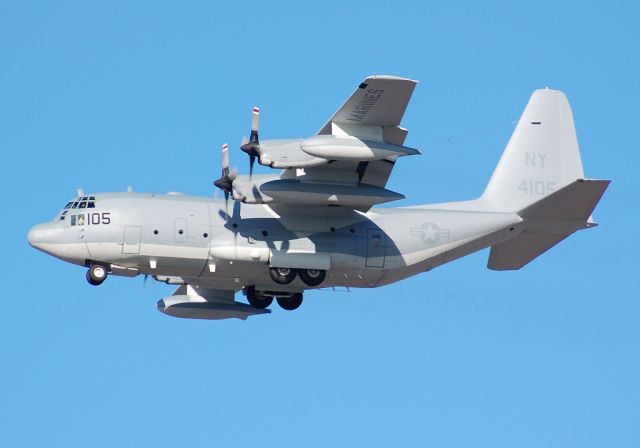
79 202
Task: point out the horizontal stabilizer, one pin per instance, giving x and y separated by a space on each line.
576 201
547 222
517 252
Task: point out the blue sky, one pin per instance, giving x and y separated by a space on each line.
102 96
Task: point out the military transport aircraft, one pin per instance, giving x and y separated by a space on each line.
313 223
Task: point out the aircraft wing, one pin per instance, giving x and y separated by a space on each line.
347 163
374 110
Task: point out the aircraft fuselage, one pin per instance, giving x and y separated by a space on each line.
178 238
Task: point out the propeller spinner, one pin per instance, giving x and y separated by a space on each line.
252 147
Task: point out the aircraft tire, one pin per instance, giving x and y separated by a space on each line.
290 303
312 277
257 299
282 276
97 274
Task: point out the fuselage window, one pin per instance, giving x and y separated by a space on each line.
81 220
73 220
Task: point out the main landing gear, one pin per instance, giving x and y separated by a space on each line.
262 299
97 274
257 299
290 302
284 276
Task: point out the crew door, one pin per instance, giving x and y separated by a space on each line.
131 244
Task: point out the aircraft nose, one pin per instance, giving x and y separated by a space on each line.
38 235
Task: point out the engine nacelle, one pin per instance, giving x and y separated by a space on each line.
332 147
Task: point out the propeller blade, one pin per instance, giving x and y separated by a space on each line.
225 183
255 120
252 147
225 160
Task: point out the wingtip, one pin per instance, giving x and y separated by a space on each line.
392 77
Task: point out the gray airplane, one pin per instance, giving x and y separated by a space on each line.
313 224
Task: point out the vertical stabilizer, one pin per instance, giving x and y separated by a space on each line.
541 157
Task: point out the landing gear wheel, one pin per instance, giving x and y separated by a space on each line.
97 274
257 299
291 302
282 276
312 277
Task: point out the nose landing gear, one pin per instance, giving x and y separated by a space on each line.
97 274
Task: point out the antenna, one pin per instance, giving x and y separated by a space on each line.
80 191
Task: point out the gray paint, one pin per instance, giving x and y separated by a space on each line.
212 249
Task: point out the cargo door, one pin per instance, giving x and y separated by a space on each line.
376 242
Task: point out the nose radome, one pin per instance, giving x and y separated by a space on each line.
36 235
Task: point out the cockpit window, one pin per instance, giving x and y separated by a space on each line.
82 202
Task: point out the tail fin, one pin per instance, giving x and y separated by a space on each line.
541 157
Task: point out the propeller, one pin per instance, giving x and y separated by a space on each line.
252 146
225 183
